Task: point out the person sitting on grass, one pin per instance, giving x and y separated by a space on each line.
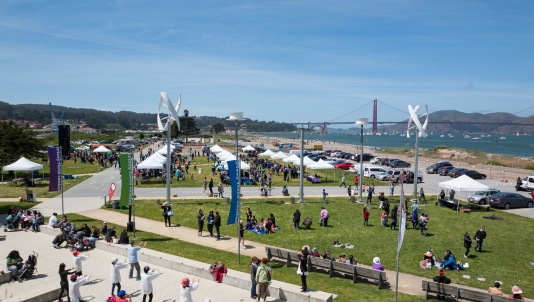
449 261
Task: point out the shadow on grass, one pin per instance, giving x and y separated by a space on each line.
162 239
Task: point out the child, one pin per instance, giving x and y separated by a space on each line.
384 219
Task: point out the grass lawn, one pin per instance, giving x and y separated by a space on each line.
327 178
40 188
346 291
4 206
446 230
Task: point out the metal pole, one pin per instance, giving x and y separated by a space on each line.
238 179
62 206
133 201
416 165
301 169
361 164
397 271
169 163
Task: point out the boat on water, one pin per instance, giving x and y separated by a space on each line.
517 134
442 135
476 137
496 139
502 137
467 136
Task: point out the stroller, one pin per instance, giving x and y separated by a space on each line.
29 268
12 223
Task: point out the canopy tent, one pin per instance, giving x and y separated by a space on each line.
244 165
307 161
151 163
101 149
227 157
23 164
248 148
223 155
279 155
291 159
216 149
463 184
163 150
267 153
322 165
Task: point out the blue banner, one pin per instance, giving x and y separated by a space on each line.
54 158
235 177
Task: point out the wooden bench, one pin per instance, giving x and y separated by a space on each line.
461 293
332 267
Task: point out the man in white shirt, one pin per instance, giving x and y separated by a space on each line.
52 222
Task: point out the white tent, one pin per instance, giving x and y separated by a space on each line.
307 161
227 157
151 163
291 159
267 153
321 165
23 164
462 184
216 149
101 149
224 155
244 165
279 155
163 150
248 148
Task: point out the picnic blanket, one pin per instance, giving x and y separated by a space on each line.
344 246
261 233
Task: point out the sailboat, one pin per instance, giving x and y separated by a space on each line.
517 134
496 139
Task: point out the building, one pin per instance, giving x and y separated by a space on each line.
87 130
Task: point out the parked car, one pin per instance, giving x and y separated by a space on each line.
395 176
366 157
443 171
482 197
337 161
82 148
373 172
433 169
355 169
454 172
528 183
400 164
343 166
375 160
206 148
509 200
386 176
473 174
388 161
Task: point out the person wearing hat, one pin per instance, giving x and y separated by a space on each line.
377 265
74 287
77 259
480 235
188 287
146 282
516 293
115 275
441 279
104 229
167 213
121 297
263 277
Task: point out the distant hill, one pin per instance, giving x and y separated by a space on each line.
99 119
457 116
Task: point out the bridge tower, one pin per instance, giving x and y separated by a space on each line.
325 130
375 124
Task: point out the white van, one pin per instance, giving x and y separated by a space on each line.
373 172
528 183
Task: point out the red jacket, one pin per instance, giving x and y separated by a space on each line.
366 214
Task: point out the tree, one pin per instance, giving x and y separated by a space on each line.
16 141
174 130
218 128
142 136
186 116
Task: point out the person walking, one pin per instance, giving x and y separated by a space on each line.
211 219
356 180
77 259
391 188
296 219
480 235
422 195
253 271
115 274
200 221
324 217
342 181
366 214
303 267
467 244
64 281
221 190
167 213
393 225
132 258
263 277
146 282
205 184
324 196
210 186
349 191
74 287
217 224
187 288
242 234
370 191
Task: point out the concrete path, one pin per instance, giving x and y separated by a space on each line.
166 287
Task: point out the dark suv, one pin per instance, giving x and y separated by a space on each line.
433 169
366 157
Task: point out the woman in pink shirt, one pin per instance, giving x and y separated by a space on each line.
324 217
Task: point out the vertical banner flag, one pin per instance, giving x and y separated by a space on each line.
235 175
111 191
126 162
402 218
54 155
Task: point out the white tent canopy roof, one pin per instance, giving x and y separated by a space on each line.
307 161
267 153
223 155
151 163
101 149
279 155
216 149
244 165
23 164
163 150
462 184
291 159
248 148
321 165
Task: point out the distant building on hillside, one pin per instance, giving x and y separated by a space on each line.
87 130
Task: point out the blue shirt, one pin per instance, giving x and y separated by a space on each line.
132 253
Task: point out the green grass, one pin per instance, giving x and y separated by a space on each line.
40 188
346 291
5 206
506 257
327 178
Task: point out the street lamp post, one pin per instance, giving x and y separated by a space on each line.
361 121
237 117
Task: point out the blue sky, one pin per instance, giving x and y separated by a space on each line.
289 61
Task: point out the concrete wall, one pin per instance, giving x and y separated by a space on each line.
43 294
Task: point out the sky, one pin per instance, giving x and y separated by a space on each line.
288 61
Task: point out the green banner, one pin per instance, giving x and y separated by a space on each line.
127 187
